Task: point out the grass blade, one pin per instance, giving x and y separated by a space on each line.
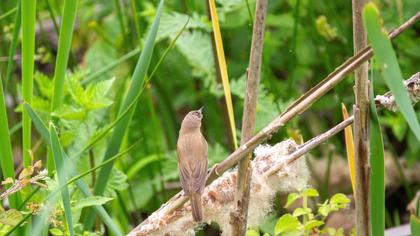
138 77
72 171
6 160
28 50
13 44
63 51
62 177
138 82
8 13
389 68
348 134
377 165
222 68
93 77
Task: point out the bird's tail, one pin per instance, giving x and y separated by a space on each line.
197 208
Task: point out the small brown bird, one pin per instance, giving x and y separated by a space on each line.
192 160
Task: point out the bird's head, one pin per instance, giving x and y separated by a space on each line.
193 119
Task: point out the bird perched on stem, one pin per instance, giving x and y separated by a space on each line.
192 160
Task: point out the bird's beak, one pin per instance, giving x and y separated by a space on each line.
201 109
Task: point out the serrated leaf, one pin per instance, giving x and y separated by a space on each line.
116 182
91 201
291 198
172 22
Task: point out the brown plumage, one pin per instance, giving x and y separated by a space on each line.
192 160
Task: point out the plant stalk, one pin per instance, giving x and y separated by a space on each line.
240 214
361 125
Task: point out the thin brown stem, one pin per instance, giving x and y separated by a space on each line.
240 214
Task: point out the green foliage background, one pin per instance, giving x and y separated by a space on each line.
304 42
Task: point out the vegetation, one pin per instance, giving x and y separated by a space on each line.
92 95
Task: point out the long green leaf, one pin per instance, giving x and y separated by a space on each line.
8 13
389 68
72 171
6 155
28 50
377 164
136 85
62 177
93 77
13 44
63 51
138 81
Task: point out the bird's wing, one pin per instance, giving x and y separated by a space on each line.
199 170
184 173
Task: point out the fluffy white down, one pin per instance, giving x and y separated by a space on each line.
218 196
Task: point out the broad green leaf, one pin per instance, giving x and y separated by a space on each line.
387 60
312 224
301 211
252 232
324 209
287 224
291 198
56 232
310 192
339 199
91 201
